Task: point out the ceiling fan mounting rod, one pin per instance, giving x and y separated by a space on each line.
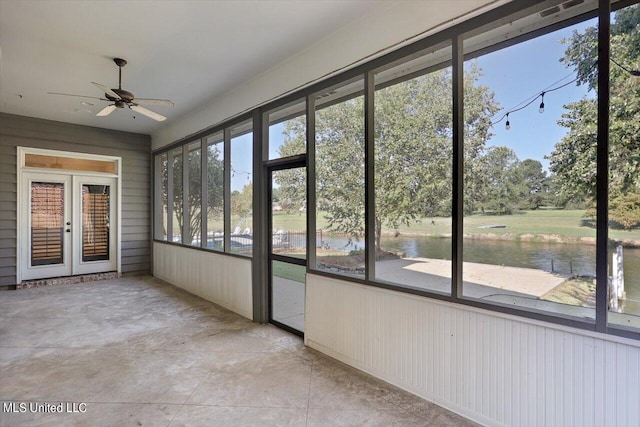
120 63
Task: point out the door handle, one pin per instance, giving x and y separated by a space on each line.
68 230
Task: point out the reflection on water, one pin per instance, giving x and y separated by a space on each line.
563 258
574 259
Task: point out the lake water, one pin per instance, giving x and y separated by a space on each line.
563 258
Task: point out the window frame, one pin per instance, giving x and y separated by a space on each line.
201 137
454 35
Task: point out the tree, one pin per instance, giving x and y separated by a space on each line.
340 165
531 183
242 201
573 160
498 168
413 151
215 189
480 107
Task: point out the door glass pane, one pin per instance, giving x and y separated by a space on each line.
289 206
47 223
95 222
288 281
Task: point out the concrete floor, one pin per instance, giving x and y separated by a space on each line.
288 302
139 352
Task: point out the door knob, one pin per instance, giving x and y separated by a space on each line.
68 222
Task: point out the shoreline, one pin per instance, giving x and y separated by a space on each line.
527 237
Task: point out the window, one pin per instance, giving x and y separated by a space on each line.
177 206
219 197
288 130
624 169
215 191
194 215
241 189
287 133
529 226
502 202
339 179
161 195
413 171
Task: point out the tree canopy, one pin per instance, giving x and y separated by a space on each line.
573 160
413 151
215 193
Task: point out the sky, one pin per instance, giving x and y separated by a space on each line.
514 74
518 72
241 161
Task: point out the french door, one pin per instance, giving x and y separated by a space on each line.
68 226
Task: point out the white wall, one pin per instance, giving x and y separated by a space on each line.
221 279
387 24
495 369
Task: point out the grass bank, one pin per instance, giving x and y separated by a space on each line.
551 225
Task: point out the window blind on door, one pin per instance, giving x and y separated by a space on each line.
95 222
47 223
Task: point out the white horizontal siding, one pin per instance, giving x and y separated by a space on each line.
221 279
495 369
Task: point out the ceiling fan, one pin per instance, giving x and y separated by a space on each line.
122 98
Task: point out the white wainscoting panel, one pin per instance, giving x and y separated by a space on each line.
221 279
496 369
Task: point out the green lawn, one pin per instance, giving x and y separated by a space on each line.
566 223
559 222
527 224
289 271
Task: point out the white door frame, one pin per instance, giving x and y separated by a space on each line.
23 215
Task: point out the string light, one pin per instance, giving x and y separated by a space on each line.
524 104
635 73
532 100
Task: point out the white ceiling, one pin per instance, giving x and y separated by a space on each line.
185 51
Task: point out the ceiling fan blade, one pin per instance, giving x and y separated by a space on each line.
106 90
78 96
151 101
106 110
151 114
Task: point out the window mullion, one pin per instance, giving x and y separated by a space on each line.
369 179
204 192
227 190
602 174
458 167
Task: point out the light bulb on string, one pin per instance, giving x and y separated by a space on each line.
541 109
507 125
